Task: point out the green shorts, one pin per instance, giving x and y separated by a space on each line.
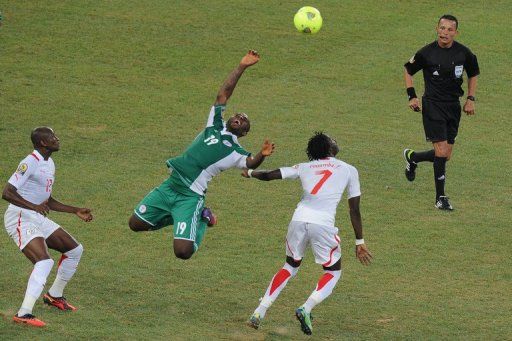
164 206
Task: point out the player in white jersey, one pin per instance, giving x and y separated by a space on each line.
29 192
324 179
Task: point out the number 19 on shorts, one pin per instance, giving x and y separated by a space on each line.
180 227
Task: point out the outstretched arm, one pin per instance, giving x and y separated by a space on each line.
263 174
226 90
82 213
362 252
255 161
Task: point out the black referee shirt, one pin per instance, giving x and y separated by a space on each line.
442 70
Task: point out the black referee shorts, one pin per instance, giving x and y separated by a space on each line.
440 120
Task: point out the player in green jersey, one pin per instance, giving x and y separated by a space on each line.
179 200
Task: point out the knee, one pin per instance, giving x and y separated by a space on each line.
183 254
292 262
48 263
132 224
335 267
76 253
292 266
135 224
183 249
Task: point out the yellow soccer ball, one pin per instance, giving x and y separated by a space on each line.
308 20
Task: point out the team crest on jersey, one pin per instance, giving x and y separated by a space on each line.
227 143
458 70
22 168
142 208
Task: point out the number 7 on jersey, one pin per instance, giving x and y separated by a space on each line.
325 175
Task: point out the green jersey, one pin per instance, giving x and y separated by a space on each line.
214 150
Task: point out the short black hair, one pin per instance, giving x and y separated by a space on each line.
449 17
39 134
319 146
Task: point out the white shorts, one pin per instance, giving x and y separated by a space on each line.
324 242
23 225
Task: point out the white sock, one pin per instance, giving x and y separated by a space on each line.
35 285
275 287
323 289
67 267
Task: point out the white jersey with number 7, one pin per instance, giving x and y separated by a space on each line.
323 182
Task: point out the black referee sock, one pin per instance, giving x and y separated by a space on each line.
427 155
439 174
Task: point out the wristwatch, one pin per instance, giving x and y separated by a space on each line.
471 98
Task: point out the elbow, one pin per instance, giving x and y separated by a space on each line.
250 164
5 195
221 99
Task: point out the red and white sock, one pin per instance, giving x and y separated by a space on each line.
323 289
35 285
275 287
67 267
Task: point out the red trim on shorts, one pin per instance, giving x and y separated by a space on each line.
289 249
332 250
18 228
281 276
62 258
330 256
34 155
324 280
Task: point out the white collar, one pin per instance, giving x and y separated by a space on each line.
226 132
38 155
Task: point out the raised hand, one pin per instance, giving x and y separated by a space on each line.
267 148
251 58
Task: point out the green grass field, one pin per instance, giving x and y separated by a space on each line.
128 84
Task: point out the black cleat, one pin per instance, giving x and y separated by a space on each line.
443 203
410 166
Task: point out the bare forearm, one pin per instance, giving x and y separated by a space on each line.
226 90
254 162
11 195
357 223
355 216
409 83
267 175
57 206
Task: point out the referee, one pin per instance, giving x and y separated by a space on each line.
443 63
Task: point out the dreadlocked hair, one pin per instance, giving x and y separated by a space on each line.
319 146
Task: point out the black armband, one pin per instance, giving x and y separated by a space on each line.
411 93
